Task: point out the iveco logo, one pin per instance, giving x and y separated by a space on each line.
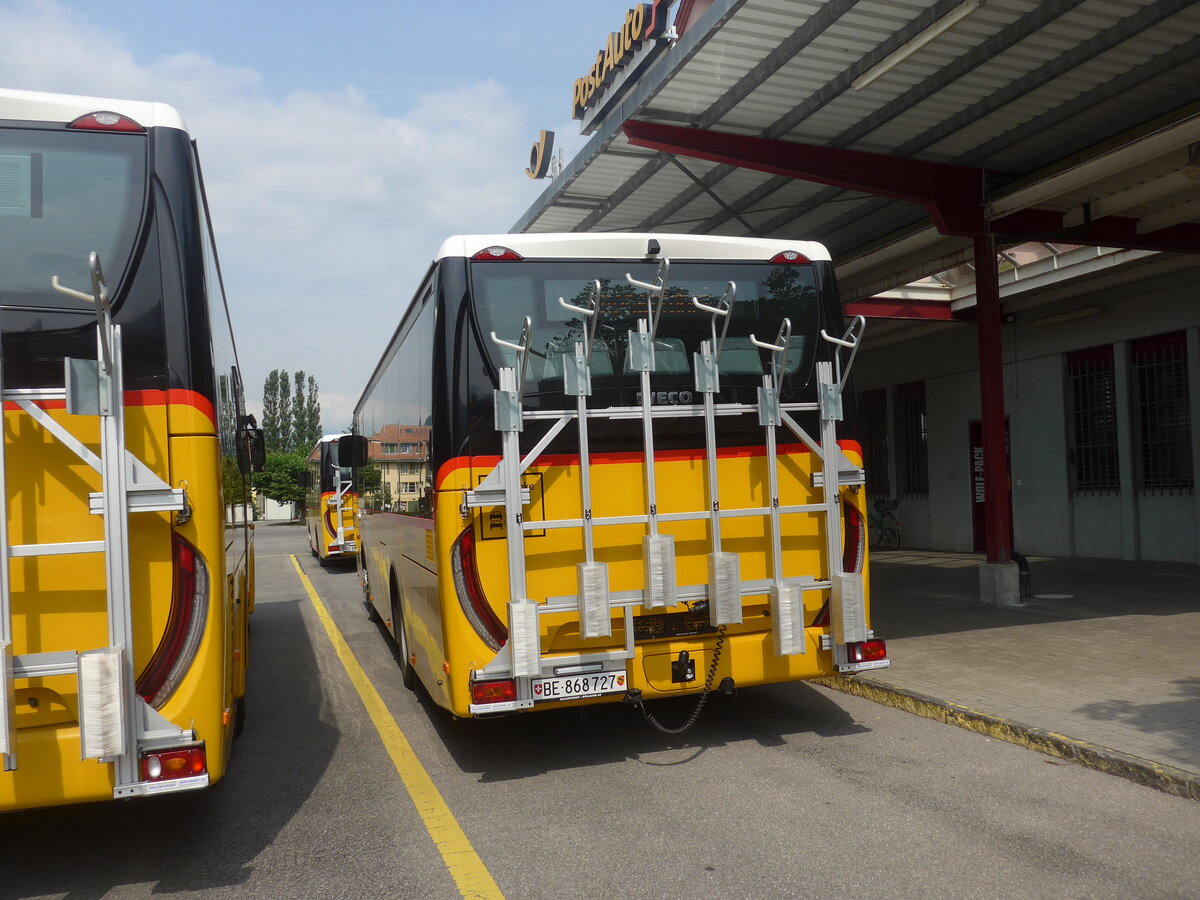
662 398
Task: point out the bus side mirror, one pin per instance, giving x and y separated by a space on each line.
251 451
303 480
352 451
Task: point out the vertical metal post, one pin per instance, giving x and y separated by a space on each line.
830 454
7 692
116 539
647 365
998 524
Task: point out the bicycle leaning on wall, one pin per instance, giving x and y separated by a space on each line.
883 527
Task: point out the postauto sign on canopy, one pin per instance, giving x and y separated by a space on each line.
644 22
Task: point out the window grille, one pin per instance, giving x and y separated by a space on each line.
914 438
873 406
1093 391
1160 377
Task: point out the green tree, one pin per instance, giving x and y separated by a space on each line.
280 477
277 412
312 411
306 413
299 442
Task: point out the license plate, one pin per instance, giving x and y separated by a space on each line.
574 687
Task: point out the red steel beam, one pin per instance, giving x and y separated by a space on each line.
955 196
914 180
888 308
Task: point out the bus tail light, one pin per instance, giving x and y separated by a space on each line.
471 598
866 651
106 121
790 258
504 691
497 254
166 765
853 539
185 627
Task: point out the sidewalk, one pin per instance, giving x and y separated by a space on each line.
1102 666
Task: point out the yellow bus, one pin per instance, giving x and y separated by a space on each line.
126 557
634 483
331 504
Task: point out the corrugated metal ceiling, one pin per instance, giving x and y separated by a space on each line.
1025 89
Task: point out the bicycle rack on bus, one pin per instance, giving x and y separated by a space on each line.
115 724
521 657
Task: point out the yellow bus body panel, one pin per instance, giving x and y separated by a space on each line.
619 489
58 602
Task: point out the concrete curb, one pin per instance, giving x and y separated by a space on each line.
1168 779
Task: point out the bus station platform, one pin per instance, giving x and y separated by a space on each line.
1100 667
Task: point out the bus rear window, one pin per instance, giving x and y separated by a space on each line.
64 195
504 293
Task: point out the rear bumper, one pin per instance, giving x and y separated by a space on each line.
748 659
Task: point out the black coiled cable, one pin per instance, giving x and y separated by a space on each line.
703 698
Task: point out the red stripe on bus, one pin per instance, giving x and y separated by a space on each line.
172 397
630 456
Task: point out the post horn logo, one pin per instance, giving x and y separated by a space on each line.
540 155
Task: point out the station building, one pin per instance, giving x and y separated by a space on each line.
1011 193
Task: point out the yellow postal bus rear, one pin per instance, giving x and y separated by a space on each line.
331 504
126 576
635 483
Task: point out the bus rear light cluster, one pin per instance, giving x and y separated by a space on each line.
503 691
790 258
854 539
166 765
185 627
106 121
470 593
866 651
497 254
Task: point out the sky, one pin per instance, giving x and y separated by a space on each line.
341 142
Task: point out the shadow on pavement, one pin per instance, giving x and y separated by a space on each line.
201 840
922 594
526 746
1170 717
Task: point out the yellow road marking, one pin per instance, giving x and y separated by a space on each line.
467 869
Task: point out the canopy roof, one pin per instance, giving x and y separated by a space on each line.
893 130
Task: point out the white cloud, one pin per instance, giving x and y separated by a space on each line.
327 212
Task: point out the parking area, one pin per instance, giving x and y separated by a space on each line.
768 791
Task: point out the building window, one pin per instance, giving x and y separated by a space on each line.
914 438
1160 383
408 487
873 408
389 448
1093 392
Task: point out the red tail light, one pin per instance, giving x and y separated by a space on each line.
854 539
166 765
866 651
185 627
494 691
790 258
106 121
329 526
471 598
497 254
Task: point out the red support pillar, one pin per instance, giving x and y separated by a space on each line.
991 393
